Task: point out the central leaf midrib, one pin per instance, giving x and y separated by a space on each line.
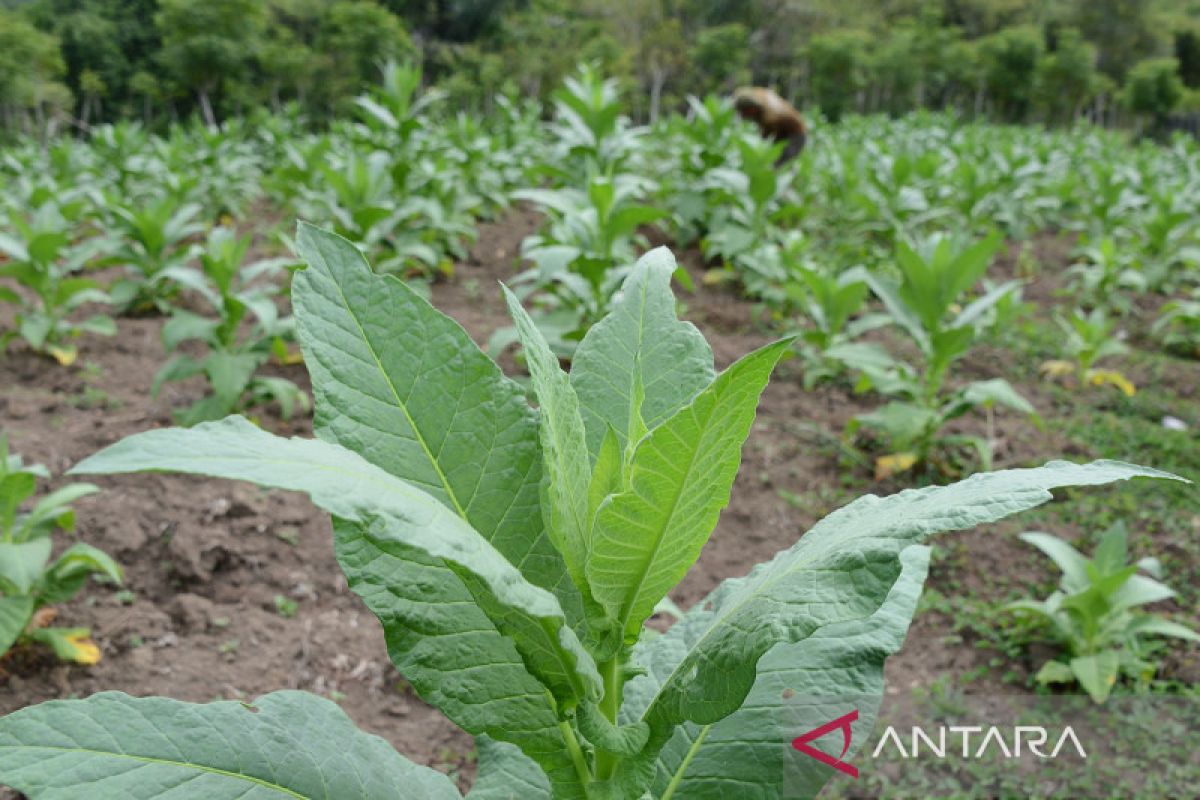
417 435
178 764
677 776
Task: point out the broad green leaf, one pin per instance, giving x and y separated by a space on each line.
178 368
505 773
903 423
68 644
606 473
978 307
404 386
647 537
73 566
797 687
623 740
15 488
395 514
1054 672
14 616
1163 627
888 293
841 570
641 336
1111 553
282 745
997 392
184 325
229 374
22 564
564 448
55 507
1070 561
1139 590
450 651
1097 674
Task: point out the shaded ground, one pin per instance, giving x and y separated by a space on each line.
212 566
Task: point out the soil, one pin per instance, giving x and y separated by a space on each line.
210 563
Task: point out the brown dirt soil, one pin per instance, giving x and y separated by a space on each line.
207 559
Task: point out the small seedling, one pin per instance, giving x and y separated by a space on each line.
1096 613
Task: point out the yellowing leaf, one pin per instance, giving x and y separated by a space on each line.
63 355
290 356
86 651
69 644
1100 377
714 276
889 465
1056 368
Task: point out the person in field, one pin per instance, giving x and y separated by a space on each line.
776 118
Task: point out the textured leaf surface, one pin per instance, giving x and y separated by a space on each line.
641 337
841 570
395 515
563 446
647 537
403 385
798 687
285 745
449 650
14 615
506 774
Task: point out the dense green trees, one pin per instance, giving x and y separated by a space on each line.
1017 60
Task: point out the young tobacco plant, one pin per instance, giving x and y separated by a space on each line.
925 305
1096 613
40 257
153 236
1179 326
581 260
235 352
30 579
1089 337
513 557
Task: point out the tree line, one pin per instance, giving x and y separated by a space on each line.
79 62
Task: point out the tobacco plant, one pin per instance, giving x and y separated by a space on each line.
585 253
513 557
925 304
1095 613
30 578
154 245
40 256
1088 338
235 352
1179 326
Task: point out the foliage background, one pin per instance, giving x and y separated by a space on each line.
1113 61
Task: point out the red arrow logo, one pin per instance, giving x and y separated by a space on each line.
801 743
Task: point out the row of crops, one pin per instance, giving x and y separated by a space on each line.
908 212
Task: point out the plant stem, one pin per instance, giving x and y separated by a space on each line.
581 767
610 672
610 704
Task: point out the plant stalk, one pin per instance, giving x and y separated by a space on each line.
581 766
610 704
